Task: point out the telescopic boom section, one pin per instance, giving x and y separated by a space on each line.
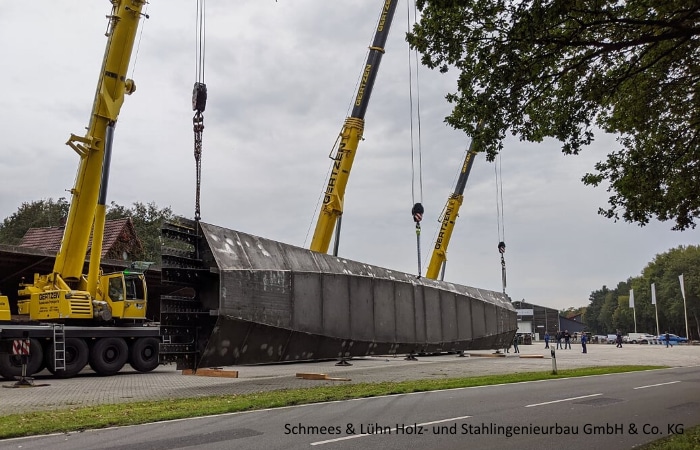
350 137
109 97
449 216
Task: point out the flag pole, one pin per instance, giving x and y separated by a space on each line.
656 308
634 310
685 308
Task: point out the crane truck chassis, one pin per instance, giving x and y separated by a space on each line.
66 350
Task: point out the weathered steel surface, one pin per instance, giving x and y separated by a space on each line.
275 302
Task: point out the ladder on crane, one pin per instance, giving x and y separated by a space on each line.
59 347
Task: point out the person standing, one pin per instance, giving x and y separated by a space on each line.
567 340
584 341
619 339
546 339
668 338
515 344
558 338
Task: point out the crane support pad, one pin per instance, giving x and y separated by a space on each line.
214 373
320 376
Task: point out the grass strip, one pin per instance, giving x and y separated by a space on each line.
132 413
689 440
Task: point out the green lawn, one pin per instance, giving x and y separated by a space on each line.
689 440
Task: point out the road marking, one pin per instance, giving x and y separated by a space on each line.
562 400
393 430
660 384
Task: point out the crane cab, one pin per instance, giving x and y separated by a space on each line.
125 294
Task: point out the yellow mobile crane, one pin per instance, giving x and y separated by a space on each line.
106 310
449 216
329 217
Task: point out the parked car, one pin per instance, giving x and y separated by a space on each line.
599 339
672 339
640 338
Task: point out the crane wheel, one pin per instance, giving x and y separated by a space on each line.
11 365
76 357
108 356
143 354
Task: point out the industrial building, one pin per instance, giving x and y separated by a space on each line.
535 320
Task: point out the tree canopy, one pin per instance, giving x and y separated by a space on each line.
37 214
147 220
561 68
572 311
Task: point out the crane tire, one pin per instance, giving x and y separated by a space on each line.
108 355
143 354
11 365
76 357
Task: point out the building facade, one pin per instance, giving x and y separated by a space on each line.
536 320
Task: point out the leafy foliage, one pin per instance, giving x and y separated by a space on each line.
41 213
558 68
147 220
590 317
572 311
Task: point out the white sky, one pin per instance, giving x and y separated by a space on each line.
280 77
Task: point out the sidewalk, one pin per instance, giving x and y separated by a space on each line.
166 382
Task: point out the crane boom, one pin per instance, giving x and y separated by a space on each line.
109 97
449 216
350 136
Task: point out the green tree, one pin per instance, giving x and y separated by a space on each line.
147 220
605 318
643 309
642 314
558 68
663 271
572 311
591 316
622 318
36 214
609 319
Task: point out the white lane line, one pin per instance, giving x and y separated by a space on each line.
392 431
562 400
660 384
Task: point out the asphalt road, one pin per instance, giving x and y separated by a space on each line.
612 411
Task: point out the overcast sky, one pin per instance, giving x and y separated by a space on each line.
280 77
